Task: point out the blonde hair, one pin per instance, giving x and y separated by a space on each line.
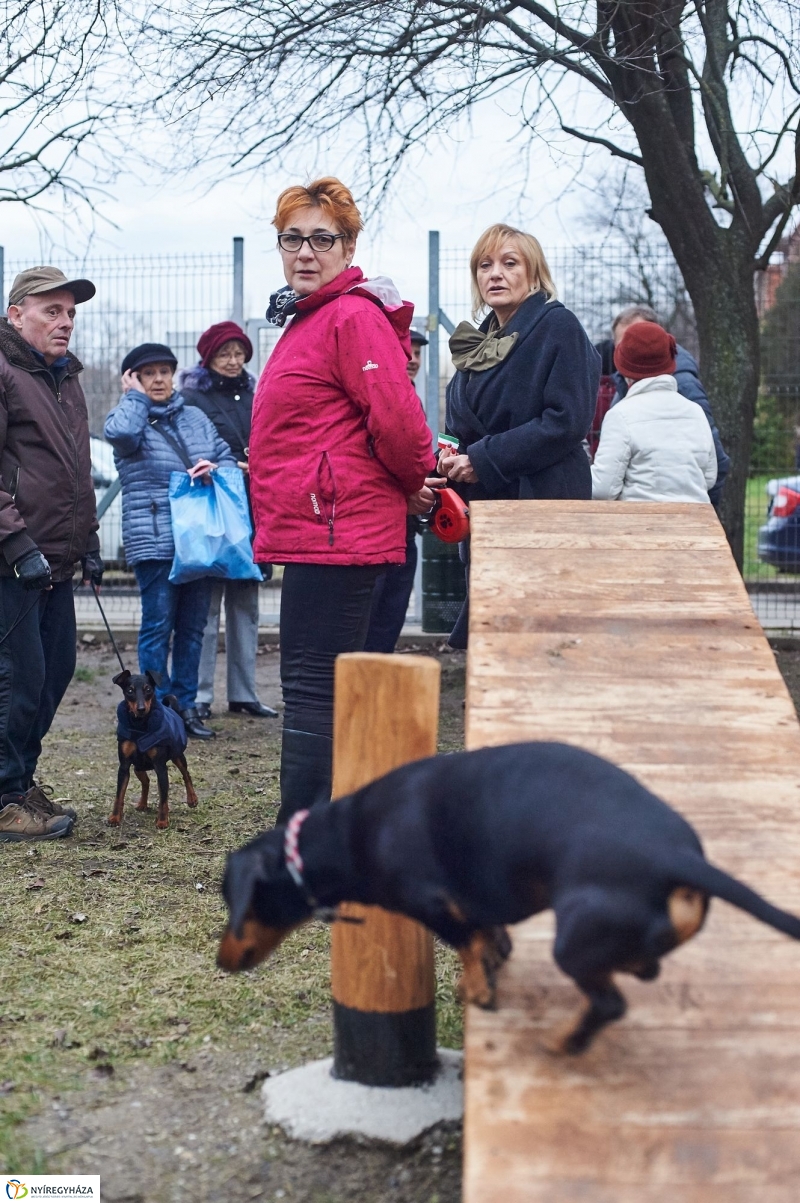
329 194
529 248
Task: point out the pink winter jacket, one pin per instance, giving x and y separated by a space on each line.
338 440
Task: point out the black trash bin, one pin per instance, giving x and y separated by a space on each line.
444 584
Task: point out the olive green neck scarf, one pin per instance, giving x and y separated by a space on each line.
475 351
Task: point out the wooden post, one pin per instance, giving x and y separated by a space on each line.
382 975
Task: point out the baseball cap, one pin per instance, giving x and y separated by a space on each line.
417 336
48 279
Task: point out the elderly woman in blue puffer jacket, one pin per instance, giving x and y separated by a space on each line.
153 435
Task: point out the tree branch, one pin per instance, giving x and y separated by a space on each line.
617 151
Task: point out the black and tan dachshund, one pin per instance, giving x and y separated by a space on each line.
471 842
150 733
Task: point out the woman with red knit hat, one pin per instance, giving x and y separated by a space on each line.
222 387
655 445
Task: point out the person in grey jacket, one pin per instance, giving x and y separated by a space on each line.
153 435
687 378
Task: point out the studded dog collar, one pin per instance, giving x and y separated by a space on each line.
294 863
291 851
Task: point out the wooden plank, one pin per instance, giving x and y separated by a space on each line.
626 629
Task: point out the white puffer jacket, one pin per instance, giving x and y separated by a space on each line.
654 446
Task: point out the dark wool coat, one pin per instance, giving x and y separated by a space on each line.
523 422
228 402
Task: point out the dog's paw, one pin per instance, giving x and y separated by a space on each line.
142 804
570 1038
113 820
502 943
162 824
191 803
560 1043
480 962
478 991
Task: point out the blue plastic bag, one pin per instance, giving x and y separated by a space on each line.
211 528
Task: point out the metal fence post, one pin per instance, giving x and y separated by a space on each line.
238 281
432 382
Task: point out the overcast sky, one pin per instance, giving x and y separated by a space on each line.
458 187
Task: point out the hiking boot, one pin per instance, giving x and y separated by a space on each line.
39 797
24 821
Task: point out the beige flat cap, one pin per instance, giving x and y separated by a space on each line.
48 279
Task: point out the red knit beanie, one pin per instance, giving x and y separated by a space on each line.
214 337
645 349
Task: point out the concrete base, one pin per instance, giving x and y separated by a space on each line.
311 1105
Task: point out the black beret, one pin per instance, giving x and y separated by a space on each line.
147 353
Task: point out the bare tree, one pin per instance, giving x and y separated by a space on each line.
702 95
618 210
55 104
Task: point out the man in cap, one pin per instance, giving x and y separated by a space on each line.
48 523
393 587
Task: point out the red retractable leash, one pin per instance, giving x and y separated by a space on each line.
449 518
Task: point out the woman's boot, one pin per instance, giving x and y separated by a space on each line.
306 770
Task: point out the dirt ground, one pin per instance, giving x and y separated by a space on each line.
123 1050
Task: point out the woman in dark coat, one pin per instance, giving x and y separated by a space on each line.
523 396
222 388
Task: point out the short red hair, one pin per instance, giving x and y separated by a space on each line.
328 194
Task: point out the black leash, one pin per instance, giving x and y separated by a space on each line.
105 620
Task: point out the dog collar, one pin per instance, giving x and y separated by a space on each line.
294 863
291 850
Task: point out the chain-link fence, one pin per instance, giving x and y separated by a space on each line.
772 548
173 298
597 281
140 298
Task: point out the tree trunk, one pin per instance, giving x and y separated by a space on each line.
723 296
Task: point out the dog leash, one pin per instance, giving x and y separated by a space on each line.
105 620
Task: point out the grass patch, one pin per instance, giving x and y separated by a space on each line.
135 980
755 515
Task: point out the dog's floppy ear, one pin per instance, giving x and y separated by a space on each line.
122 678
243 872
153 677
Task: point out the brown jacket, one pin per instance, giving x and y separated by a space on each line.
46 492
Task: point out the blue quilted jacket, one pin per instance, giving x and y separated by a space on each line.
145 460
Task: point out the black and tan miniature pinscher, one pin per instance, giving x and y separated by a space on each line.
470 842
150 733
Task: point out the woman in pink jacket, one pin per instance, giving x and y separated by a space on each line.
339 453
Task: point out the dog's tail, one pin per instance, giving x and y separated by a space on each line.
696 872
171 701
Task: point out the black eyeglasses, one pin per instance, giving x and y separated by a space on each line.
317 242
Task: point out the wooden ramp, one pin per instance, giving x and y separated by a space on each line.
626 629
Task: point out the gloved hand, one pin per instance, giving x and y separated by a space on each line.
93 568
32 571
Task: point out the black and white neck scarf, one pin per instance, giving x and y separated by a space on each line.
281 306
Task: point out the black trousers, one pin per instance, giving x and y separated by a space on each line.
390 599
325 610
37 663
